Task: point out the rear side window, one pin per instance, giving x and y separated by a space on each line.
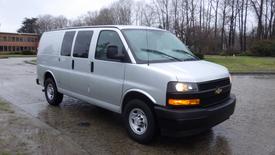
82 44
67 43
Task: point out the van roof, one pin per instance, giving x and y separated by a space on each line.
111 26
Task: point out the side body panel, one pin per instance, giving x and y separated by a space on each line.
148 81
48 56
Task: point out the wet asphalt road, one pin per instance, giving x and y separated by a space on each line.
251 130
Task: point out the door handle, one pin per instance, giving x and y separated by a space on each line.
92 66
72 64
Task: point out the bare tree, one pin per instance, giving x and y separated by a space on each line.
162 7
224 14
121 12
258 6
49 22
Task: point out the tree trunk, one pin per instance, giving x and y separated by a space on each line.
216 18
245 26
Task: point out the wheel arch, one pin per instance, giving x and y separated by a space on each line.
137 94
49 74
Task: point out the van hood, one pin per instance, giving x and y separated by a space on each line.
192 71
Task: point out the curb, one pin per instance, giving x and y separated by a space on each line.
252 73
29 62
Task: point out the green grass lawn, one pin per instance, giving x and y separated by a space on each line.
244 63
16 55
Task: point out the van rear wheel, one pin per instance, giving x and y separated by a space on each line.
52 95
139 121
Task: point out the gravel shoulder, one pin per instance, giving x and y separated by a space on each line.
21 133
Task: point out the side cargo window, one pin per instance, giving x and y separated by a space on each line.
107 39
82 44
67 43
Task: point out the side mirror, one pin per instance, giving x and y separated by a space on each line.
112 53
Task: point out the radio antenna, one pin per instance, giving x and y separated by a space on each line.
148 58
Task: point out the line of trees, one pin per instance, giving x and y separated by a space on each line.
207 26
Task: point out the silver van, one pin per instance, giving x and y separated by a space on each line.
146 74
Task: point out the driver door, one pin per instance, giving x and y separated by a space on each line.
108 76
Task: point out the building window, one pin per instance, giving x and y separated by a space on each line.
1 48
5 38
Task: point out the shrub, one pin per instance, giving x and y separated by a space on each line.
228 53
223 53
247 53
27 53
263 48
199 55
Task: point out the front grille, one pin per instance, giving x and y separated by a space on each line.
207 93
213 84
210 97
213 99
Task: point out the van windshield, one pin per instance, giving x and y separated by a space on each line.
152 46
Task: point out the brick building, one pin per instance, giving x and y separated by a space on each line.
18 42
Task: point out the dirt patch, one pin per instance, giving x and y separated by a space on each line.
4 107
22 134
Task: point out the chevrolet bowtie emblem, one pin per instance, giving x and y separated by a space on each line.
218 91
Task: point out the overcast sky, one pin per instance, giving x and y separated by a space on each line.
12 12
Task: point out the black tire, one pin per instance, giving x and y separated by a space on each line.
56 98
150 131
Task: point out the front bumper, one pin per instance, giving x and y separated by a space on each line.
197 119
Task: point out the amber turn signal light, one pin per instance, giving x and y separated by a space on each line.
184 102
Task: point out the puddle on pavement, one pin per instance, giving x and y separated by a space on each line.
102 132
84 124
249 131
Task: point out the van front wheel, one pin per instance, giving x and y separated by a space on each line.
52 95
139 121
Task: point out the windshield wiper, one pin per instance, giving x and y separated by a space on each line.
161 53
185 52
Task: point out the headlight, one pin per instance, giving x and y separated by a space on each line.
181 87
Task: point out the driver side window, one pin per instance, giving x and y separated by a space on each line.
107 39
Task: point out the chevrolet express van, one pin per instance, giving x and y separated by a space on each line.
146 74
